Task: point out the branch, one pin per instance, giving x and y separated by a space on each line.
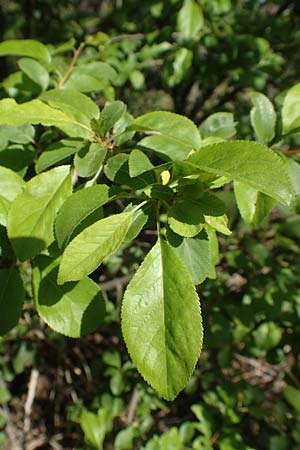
291 152
71 66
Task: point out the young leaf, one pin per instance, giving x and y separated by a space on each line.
78 207
110 115
25 47
253 205
73 309
89 159
248 162
190 20
32 214
161 321
89 248
35 71
263 117
194 252
218 125
12 296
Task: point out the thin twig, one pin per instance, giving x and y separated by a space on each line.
291 152
126 37
32 385
71 65
132 406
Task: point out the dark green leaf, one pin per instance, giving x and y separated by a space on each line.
57 152
89 159
12 296
35 71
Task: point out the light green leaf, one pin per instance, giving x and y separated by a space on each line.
78 207
74 309
220 125
219 223
117 170
186 218
291 110
263 117
25 47
253 205
89 248
96 426
77 106
89 159
12 296
32 214
35 112
190 20
35 71
11 185
166 147
138 163
194 252
22 134
169 124
248 162
58 152
161 321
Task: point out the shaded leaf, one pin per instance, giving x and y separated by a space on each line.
57 152
89 159
12 296
25 47
35 71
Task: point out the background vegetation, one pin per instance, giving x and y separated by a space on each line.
61 393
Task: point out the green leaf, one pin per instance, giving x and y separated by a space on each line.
25 47
190 20
168 148
292 396
219 223
187 217
110 115
89 248
263 117
117 170
96 426
23 134
291 110
78 207
194 252
248 162
169 124
58 152
12 296
35 112
253 205
89 159
80 108
181 64
32 214
140 218
267 335
220 124
74 309
138 163
17 157
161 321
35 71
11 185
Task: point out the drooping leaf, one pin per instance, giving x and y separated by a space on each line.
35 112
78 207
138 163
253 205
80 108
263 117
161 321
89 248
190 20
74 309
35 71
248 162
12 296
89 159
25 47
32 214
194 252
290 110
57 152
220 124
